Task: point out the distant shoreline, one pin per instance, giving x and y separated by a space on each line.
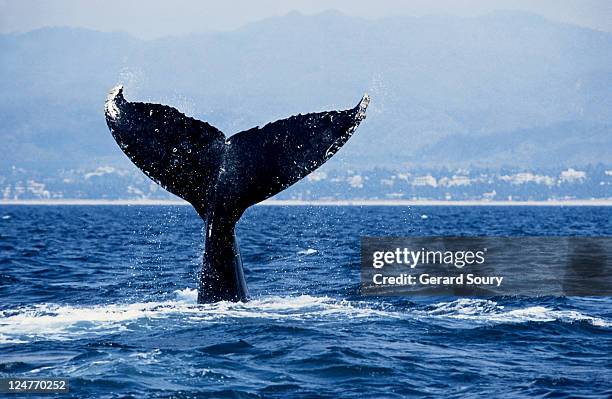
76 202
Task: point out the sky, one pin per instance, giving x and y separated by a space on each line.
156 18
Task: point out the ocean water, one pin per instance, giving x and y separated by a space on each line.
105 296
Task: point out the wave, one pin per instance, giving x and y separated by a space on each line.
66 322
63 322
491 312
309 251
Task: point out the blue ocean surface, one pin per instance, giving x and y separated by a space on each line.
106 296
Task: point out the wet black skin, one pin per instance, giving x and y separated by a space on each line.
221 177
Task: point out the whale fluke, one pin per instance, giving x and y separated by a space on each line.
221 177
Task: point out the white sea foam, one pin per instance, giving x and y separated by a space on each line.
187 295
309 251
64 322
480 310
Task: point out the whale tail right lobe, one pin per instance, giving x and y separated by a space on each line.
221 177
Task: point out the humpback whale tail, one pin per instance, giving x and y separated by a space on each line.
220 176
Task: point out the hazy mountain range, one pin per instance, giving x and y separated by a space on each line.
505 89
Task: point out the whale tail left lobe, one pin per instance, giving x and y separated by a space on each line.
221 177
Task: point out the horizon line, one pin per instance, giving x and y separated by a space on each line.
119 202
